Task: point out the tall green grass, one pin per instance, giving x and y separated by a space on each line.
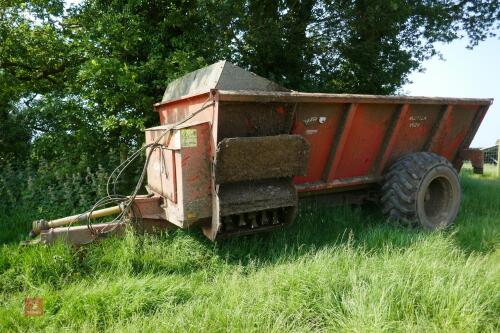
335 269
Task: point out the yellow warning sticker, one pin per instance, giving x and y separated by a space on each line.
189 137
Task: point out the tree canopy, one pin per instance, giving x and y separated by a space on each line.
77 83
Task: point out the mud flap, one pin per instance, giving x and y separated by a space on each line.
252 184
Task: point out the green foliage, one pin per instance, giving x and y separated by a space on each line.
340 269
14 139
46 192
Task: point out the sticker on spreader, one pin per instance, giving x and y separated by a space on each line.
189 137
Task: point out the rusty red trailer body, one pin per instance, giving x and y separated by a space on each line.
352 139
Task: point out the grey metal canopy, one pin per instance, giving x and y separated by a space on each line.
222 75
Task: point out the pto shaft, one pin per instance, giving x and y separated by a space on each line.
40 225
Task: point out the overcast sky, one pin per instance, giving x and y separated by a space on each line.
465 73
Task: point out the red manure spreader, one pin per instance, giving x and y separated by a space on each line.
235 153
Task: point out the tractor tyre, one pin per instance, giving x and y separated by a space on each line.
422 189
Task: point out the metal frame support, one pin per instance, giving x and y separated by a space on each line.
476 157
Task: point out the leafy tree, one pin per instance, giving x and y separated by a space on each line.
362 46
85 78
36 60
273 40
135 49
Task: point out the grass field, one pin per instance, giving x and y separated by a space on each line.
340 269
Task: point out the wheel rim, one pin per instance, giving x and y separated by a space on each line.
438 199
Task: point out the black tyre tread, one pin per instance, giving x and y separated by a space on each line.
401 185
